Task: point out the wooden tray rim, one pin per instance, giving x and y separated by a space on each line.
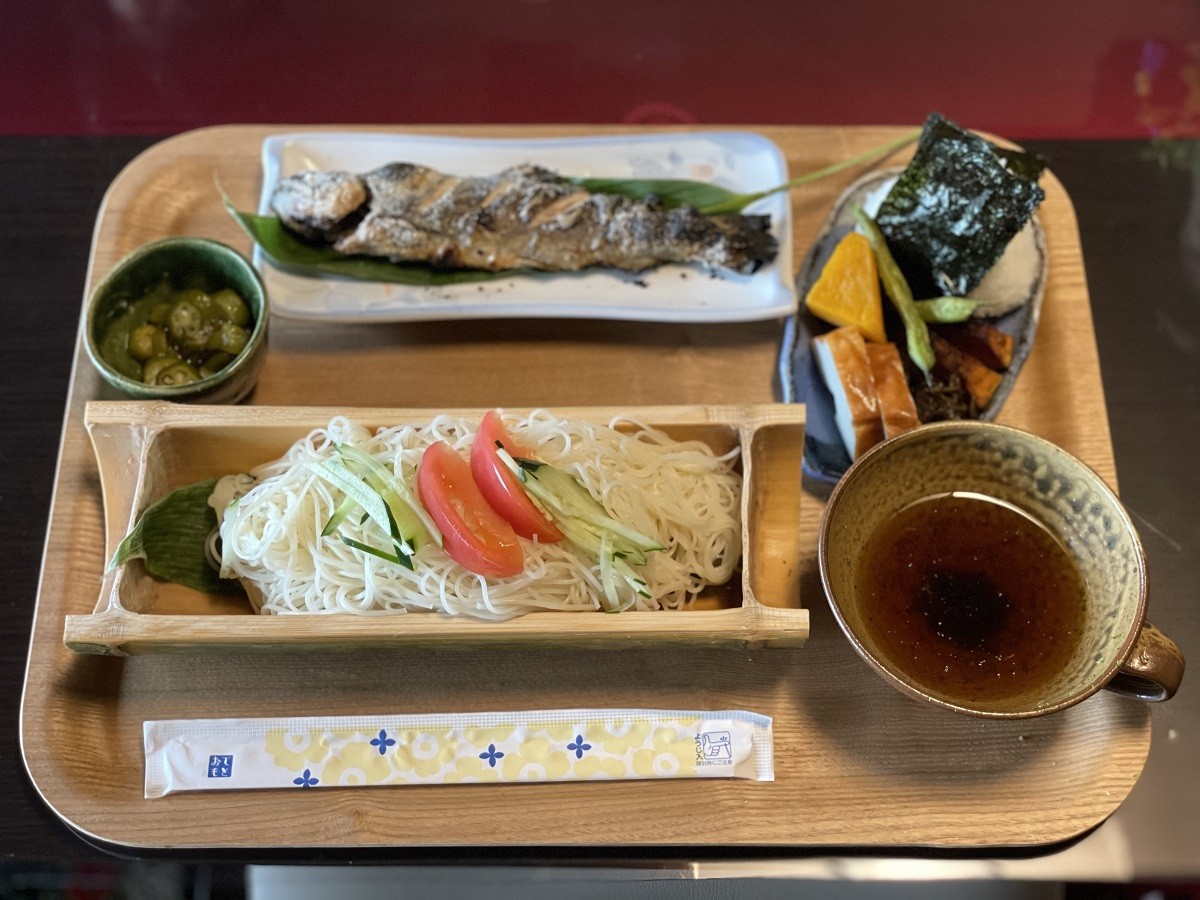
118 187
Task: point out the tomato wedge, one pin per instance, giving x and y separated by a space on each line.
501 488
472 533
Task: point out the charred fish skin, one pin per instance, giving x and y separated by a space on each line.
524 217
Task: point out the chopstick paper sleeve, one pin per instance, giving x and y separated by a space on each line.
558 745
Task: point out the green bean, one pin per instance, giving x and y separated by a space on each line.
920 350
945 310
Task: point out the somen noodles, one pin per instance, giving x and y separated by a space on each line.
680 493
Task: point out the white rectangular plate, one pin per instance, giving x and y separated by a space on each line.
740 161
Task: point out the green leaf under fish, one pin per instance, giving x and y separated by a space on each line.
288 250
170 538
955 208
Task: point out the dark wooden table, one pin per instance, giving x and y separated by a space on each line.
1140 224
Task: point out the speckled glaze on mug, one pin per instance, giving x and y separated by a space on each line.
1118 649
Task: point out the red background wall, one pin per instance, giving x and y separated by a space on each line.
1022 68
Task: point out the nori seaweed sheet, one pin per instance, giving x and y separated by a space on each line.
956 207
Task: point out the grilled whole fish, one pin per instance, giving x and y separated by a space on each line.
525 217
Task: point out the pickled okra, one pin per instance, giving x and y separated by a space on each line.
170 337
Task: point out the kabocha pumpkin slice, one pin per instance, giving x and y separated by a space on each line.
847 293
896 406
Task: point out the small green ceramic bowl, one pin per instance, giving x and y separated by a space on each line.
181 259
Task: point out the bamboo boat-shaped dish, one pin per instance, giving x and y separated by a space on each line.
147 449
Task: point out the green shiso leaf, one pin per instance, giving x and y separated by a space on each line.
170 539
288 250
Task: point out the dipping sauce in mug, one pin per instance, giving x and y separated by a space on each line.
971 597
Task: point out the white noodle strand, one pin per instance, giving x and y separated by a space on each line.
680 493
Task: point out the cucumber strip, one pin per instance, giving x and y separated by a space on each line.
412 518
632 556
404 549
586 524
535 488
634 580
568 489
609 570
339 515
583 538
588 537
620 547
399 558
564 497
381 481
345 481
606 574
583 505
365 496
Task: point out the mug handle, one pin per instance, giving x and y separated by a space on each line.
1153 669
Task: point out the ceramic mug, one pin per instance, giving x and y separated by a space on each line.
1118 648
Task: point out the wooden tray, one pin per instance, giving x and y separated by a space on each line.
178 445
856 763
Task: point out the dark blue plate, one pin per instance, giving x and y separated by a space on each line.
825 457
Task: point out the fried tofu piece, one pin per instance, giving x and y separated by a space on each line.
896 406
842 358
